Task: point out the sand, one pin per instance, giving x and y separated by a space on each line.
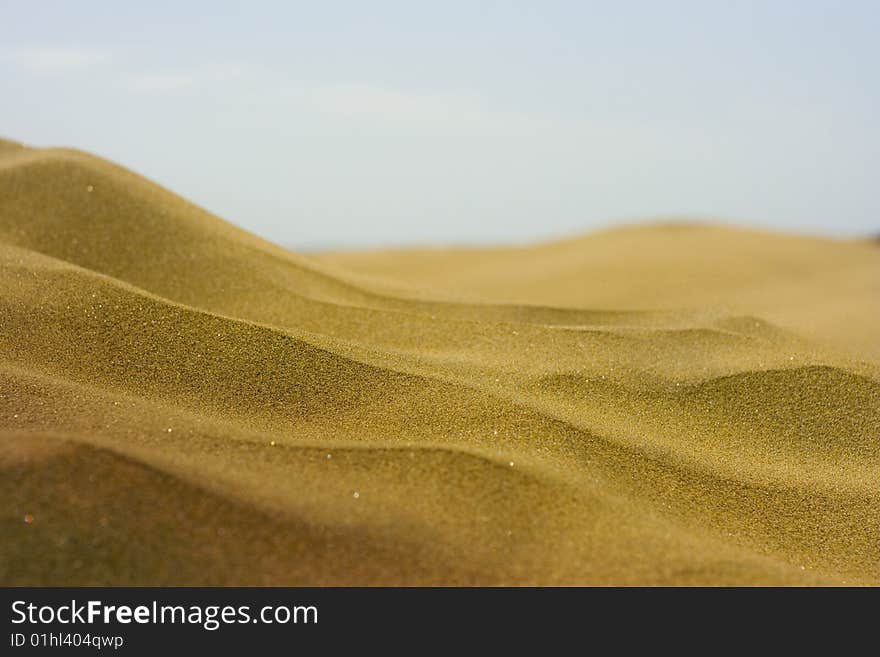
184 403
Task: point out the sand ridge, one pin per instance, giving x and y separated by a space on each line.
185 403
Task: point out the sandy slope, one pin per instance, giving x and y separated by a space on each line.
828 290
182 402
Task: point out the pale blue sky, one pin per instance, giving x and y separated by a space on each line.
367 123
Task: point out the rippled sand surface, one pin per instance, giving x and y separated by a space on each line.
182 402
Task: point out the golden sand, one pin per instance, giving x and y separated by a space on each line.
184 403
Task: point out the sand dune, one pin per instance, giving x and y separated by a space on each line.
182 402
